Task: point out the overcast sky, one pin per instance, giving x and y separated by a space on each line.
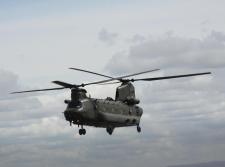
183 120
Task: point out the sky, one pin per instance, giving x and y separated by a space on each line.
183 120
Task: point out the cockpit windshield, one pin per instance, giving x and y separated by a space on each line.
77 104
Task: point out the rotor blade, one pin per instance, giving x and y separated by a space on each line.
109 83
130 75
38 90
118 78
170 77
64 84
78 69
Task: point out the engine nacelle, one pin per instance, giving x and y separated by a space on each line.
132 101
125 92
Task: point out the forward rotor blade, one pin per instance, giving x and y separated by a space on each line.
170 77
119 78
38 90
110 83
64 84
91 72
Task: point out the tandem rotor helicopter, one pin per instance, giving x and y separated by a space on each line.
109 113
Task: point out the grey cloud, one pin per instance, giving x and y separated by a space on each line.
13 105
26 114
184 118
8 82
217 36
172 52
107 37
34 133
19 104
206 164
137 38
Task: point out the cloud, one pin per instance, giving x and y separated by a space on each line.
183 118
27 114
8 82
107 37
206 164
172 52
137 38
11 105
26 121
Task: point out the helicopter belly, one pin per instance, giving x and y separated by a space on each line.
120 120
118 114
103 113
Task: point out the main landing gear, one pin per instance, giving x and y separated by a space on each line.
110 130
82 131
138 128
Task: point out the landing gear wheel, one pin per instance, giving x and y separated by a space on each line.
109 130
138 129
82 131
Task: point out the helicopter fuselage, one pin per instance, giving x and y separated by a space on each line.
103 113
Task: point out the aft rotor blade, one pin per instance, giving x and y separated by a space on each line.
139 73
38 90
91 72
170 77
118 78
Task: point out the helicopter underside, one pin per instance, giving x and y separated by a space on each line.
101 121
99 117
102 124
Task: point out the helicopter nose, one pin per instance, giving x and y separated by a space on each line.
68 115
72 114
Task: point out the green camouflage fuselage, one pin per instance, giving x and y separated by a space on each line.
103 113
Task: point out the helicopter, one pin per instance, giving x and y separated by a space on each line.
108 113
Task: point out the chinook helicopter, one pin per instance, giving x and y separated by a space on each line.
109 113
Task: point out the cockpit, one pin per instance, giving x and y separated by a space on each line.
72 104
